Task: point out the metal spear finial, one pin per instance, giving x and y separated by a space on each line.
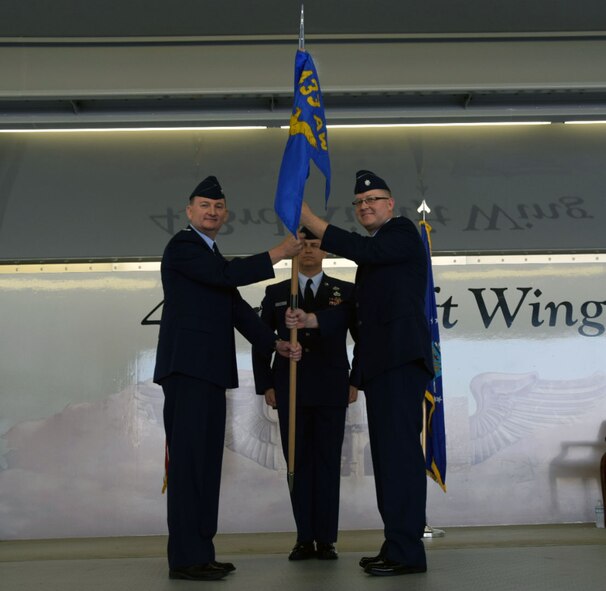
423 208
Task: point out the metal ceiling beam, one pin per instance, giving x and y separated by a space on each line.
274 110
388 81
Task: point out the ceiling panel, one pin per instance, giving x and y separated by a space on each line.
203 18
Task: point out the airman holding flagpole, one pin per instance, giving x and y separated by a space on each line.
196 363
394 361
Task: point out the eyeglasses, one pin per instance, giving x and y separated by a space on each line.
367 200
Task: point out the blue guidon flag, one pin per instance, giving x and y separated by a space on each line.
307 140
435 440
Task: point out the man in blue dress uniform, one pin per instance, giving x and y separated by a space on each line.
394 362
323 392
196 363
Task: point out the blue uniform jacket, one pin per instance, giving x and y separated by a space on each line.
323 372
202 306
389 296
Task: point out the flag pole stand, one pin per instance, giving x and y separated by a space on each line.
433 532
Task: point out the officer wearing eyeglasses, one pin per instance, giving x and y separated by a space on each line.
393 361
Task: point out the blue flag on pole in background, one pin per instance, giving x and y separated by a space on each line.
435 440
307 140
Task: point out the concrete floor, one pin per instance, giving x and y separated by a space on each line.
548 557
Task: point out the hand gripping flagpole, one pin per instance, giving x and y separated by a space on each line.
429 532
294 303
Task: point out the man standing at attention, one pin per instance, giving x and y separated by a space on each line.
394 361
196 363
323 393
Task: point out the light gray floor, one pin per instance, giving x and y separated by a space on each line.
537 558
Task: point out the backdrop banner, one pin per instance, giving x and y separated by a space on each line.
82 441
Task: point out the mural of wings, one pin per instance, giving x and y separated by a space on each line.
252 429
512 406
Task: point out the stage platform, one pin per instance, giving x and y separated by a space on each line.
538 557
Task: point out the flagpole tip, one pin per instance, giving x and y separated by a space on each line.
302 30
423 209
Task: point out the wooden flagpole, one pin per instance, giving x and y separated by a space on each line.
292 399
294 303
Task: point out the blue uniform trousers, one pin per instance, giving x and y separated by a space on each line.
194 422
395 419
315 496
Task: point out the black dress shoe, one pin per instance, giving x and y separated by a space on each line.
198 572
226 566
366 560
302 551
389 568
326 551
